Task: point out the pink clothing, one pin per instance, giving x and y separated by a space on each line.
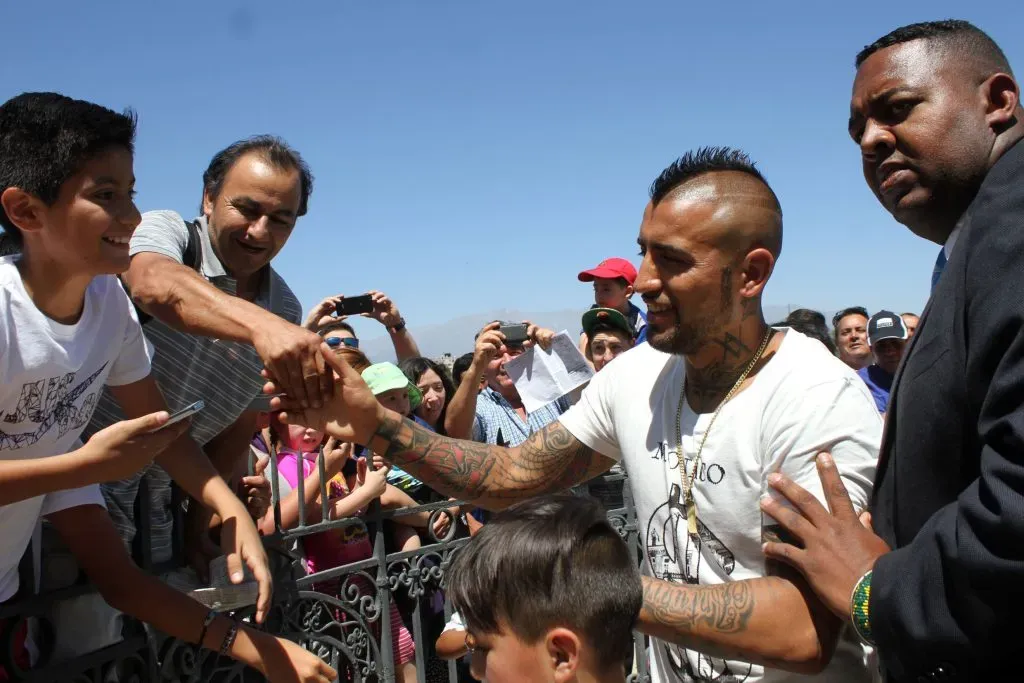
339 547
331 548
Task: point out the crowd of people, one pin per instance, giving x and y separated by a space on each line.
812 503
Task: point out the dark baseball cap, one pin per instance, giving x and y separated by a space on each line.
886 325
606 315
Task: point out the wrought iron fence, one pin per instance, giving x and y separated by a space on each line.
343 613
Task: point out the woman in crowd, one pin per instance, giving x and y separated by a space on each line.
436 387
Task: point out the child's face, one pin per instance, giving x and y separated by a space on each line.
504 657
396 400
304 439
86 231
611 293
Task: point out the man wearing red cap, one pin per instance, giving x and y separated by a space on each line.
613 281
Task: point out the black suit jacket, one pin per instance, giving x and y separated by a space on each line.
948 603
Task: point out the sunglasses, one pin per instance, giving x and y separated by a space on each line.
335 342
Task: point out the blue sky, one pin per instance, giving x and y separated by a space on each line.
474 155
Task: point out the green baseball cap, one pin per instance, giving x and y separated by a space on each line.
381 377
607 316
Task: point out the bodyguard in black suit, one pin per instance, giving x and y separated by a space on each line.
937 116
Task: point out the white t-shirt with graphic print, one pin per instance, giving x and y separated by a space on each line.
50 378
802 402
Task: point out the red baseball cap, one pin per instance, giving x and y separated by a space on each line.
610 268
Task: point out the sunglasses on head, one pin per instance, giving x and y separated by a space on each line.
335 342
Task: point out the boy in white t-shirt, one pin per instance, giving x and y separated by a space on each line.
67 328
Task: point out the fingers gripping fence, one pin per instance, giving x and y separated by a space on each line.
345 614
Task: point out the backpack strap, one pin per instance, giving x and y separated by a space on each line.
193 258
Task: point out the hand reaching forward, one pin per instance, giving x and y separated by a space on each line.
351 413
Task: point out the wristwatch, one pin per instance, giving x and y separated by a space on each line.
395 329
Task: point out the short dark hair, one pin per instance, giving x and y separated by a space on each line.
548 562
706 160
333 325
960 38
46 137
460 366
811 323
413 368
271 149
852 310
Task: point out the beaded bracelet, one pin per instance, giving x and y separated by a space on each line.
210 616
860 601
229 638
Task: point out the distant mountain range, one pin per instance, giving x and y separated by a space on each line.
456 336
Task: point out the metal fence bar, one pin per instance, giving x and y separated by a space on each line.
349 626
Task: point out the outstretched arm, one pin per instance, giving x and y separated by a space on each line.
493 477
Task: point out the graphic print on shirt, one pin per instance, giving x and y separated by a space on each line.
676 556
49 403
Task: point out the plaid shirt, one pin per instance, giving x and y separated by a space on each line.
497 422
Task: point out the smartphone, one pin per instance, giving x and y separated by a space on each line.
515 333
186 412
355 305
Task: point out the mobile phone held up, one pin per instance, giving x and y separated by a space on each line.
184 413
515 333
355 305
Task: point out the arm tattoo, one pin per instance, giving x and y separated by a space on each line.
550 460
725 608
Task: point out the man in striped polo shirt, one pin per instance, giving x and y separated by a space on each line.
217 320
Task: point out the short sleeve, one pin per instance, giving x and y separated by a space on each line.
838 416
133 362
478 429
161 232
454 624
71 498
590 420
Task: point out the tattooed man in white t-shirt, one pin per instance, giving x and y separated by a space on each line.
702 418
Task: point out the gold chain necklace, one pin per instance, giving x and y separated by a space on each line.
688 499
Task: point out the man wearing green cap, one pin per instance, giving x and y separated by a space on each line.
608 335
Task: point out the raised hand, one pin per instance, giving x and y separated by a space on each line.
351 413
325 307
541 336
256 492
294 358
384 310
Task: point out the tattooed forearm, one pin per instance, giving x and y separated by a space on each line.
739 620
725 608
551 460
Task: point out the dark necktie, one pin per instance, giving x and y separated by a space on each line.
940 265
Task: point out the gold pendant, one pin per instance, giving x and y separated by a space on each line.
691 517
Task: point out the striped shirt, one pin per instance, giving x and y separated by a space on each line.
497 422
187 367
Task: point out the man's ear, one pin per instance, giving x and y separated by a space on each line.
24 209
208 202
564 649
630 291
1002 100
757 268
